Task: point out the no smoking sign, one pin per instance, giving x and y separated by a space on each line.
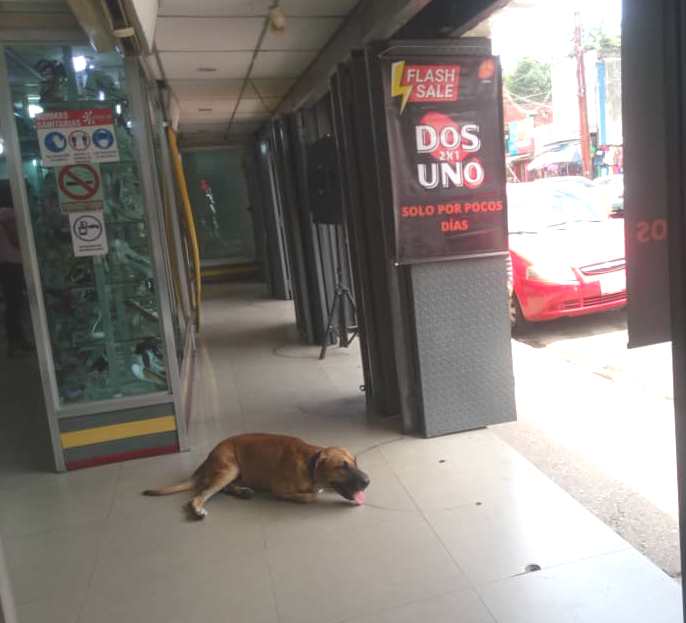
80 188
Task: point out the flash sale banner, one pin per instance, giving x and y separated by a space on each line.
446 142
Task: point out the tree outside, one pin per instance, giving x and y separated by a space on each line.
530 82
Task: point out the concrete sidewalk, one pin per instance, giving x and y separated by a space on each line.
607 441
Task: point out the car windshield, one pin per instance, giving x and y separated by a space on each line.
536 206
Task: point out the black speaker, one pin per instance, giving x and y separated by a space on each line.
324 184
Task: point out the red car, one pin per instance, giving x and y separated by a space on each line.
567 256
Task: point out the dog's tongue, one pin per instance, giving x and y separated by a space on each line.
359 498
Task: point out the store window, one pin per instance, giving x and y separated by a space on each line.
219 196
88 215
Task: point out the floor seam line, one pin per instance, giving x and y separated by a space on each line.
422 514
98 545
272 582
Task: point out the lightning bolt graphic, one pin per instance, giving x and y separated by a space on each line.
396 87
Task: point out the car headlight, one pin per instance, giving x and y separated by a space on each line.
551 274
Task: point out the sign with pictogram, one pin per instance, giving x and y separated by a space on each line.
77 136
88 233
80 188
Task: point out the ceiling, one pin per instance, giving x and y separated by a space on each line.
227 68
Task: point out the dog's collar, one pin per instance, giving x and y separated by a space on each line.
312 465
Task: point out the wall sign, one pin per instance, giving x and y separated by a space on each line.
88 234
77 136
80 187
445 135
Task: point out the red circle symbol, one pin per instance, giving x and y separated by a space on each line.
444 126
79 181
487 69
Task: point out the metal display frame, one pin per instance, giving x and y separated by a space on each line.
144 154
187 369
153 200
30 261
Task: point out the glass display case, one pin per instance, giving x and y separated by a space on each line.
100 250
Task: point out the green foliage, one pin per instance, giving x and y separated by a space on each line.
608 46
530 82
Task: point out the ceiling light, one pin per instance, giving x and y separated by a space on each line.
277 18
124 33
79 63
206 69
34 110
2 147
204 110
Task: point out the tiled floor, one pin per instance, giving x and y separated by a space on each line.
449 527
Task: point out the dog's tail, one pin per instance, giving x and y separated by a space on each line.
186 485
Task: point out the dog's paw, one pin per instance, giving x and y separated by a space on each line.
195 512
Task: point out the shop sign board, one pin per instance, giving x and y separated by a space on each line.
77 136
79 187
521 137
445 135
88 233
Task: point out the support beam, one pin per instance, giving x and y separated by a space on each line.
370 20
449 19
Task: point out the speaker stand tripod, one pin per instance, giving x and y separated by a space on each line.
338 311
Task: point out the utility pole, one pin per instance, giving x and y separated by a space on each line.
583 107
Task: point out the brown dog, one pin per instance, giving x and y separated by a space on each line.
286 466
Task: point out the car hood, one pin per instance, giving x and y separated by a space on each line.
580 244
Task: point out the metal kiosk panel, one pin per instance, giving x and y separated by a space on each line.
442 178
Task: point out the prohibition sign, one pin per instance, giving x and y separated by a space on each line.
79 181
87 228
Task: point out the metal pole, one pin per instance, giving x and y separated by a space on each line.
583 106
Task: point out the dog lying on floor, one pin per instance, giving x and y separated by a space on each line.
286 466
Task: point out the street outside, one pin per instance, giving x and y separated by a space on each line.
598 419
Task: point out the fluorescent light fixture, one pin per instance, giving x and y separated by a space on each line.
101 96
206 69
34 110
117 109
80 63
2 147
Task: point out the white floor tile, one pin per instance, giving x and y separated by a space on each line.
53 566
346 562
617 588
461 607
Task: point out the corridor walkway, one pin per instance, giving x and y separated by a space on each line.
450 528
